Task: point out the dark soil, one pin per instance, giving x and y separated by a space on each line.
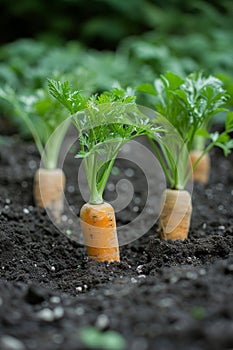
161 296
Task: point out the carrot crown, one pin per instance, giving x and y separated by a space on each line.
188 104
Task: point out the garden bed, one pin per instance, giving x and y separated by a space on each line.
162 295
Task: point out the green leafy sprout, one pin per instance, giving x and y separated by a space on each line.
105 122
96 339
189 104
43 117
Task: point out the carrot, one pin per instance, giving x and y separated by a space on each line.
99 230
48 190
175 215
202 169
108 121
187 104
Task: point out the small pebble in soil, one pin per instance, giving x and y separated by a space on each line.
139 269
64 218
79 289
11 343
133 280
115 171
220 207
129 172
57 338
189 260
229 268
173 279
55 300
191 275
53 268
79 311
46 315
58 312
150 210
7 201
71 189
32 164
26 211
102 322
111 187
209 193
137 200
24 184
221 227
166 302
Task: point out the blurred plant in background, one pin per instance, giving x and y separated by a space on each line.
104 43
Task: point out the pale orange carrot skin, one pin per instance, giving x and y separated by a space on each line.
98 225
48 191
202 171
174 221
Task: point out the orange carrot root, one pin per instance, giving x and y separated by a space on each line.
99 230
175 216
48 191
202 170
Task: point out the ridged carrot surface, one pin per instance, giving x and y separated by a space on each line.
49 190
175 215
99 230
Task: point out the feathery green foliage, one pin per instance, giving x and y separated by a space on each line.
189 104
105 123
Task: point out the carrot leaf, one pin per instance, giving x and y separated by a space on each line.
105 122
189 104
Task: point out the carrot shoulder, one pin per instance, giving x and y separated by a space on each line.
202 169
98 225
176 210
48 190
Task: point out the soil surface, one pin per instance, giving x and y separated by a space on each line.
163 295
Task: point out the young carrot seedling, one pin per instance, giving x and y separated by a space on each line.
188 104
48 124
201 171
109 121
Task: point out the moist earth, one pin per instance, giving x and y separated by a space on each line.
163 295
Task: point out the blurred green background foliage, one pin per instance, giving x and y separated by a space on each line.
103 23
101 43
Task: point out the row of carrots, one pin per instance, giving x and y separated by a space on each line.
182 111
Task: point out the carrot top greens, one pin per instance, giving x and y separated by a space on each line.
42 116
106 122
188 104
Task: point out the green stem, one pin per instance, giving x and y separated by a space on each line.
161 161
95 196
53 147
198 143
106 174
32 129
